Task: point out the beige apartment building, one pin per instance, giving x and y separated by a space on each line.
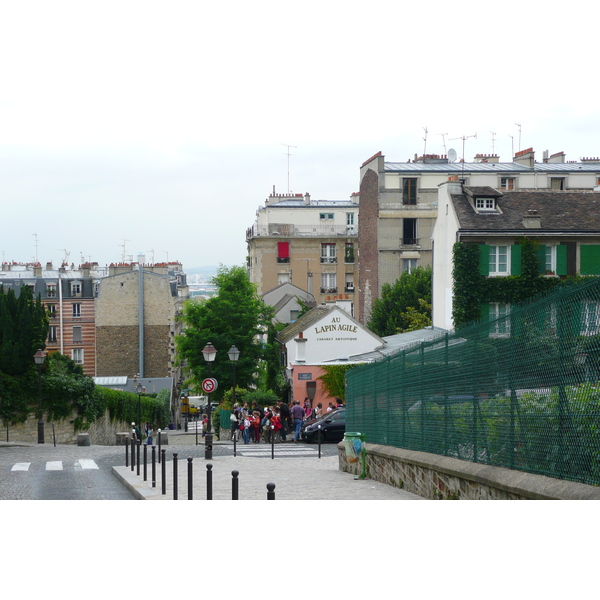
309 243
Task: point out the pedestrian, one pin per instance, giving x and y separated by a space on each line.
307 409
233 418
318 410
256 426
149 434
276 422
137 433
298 416
204 424
285 415
339 403
330 407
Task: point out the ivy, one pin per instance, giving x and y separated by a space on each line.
334 379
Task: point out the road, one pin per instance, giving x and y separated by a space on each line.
69 472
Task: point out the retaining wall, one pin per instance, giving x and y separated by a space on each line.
440 477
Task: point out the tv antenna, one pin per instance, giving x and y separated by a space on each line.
425 139
464 138
123 244
444 141
152 251
35 235
493 141
288 164
65 260
519 126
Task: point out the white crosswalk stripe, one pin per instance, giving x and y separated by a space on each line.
86 463
57 465
54 465
21 467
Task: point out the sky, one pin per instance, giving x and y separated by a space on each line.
159 128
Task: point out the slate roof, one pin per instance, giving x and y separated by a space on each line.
558 211
304 322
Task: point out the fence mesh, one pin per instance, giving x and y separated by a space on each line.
520 391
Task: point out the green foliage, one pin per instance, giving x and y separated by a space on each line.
403 306
262 398
234 316
467 284
334 379
23 330
123 406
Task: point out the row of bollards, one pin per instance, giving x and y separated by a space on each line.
135 465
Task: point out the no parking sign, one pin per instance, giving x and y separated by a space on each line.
209 385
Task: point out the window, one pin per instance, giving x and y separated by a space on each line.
326 216
498 260
350 219
328 253
485 203
76 310
294 315
77 355
76 289
77 334
590 322
52 334
349 287
349 253
52 311
51 290
328 283
283 278
557 183
499 319
409 264
409 190
409 232
283 252
507 183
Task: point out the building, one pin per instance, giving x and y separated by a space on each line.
136 320
565 224
310 243
285 300
69 297
399 205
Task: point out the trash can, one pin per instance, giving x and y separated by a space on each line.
354 444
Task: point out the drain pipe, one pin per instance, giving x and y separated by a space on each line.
141 318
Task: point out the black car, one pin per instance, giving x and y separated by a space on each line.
332 426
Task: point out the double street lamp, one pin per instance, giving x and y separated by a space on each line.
40 357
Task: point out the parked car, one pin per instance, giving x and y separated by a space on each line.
332 426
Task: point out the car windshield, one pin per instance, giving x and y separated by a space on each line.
336 415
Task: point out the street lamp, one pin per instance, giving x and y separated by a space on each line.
40 357
209 353
139 389
234 355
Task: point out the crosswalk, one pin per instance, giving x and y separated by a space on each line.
279 451
58 465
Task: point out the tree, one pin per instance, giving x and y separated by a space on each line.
403 306
234 316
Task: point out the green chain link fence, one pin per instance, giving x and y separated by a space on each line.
521 391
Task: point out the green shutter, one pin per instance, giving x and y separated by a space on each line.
541 257
516 252
561 259
485 312
484 259
589 259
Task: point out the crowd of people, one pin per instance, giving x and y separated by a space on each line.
274 423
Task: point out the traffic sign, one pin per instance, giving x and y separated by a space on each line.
209 385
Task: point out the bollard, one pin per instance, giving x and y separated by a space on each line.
190 482
270 491
145 462
164 472
272 441
138 444
132 452
153 466
235 485
159 446
209 481
174 475
319 435
126 450
234 442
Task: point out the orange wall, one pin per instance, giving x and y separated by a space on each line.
299 386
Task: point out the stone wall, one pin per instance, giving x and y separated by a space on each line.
102 431
442 478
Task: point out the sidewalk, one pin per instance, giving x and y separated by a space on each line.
295 478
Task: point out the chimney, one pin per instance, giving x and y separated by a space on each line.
307 198
454 185
300 347
557 157
531 220
49 266
525 157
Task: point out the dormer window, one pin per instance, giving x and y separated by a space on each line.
485 203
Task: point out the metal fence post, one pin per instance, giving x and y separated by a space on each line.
174 475
190 479
209 482
235 485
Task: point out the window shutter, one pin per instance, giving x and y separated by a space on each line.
484 259
283 249
589 259
485 312
541 256
516 252
561 259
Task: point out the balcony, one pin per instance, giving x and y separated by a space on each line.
329 290
286 230
328 260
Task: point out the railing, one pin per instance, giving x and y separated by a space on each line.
292 230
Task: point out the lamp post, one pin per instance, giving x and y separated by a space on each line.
234 355
139 389
40 357
210 353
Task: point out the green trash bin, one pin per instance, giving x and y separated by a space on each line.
354 444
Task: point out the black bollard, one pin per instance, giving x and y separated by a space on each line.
272 441
138 444
153 466
132 453
145 462
319 434
234 441
209 482
127 451
190 481
164 472
270 491
235 485
174 475
159 455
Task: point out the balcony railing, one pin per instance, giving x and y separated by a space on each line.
293 230
328 290
328 260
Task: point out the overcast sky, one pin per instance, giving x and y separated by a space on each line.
159 127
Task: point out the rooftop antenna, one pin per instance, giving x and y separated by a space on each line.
512 147
123 244
167 255
288 164
152 255
464 138
517 124
425 138
66 256
493 141
36 246
444 141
